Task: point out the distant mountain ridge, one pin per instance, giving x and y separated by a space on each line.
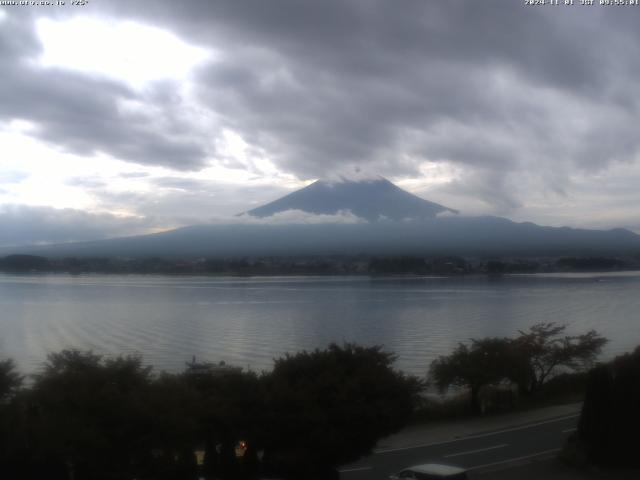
466 236
370 199
397 223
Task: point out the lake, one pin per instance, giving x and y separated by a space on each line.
249 321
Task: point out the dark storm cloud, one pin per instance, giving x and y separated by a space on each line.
23 225
81 113
321 84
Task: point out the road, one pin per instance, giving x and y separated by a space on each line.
472 452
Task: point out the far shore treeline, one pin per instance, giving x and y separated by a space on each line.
85 416
317 265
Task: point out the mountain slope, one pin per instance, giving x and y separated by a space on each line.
455 235
399 224
372 200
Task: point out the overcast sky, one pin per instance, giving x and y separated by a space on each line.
123 117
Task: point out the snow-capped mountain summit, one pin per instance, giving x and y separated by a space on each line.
372 199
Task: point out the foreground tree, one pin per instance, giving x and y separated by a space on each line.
229 410
330 407
529 360
87 416
10 426
544 350
610 419
95 418
484 362
10 379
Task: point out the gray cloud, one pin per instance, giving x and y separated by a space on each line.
176 201
318 86
26 225
81 113
88 183
23 225
497 89
134 175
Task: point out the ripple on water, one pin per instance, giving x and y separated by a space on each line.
251 321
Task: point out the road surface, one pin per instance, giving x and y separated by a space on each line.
473 452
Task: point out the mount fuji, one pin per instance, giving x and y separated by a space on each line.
371 199
381 219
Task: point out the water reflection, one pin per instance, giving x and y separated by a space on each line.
249 321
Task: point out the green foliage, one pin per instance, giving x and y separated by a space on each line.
90 412
229 407
544 351
395 265
24 263
329 407
90 417
591 263
530 360
10 380
485 361
563 388
10 425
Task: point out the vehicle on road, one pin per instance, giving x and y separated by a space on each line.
431 471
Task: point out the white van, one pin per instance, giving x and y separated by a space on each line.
431 471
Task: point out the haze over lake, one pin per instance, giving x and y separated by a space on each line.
249 321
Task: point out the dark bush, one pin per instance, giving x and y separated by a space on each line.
610 419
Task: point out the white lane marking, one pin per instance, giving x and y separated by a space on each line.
480 435
469 452
567 430
515 459
356 469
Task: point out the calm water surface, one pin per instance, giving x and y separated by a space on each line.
249 321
